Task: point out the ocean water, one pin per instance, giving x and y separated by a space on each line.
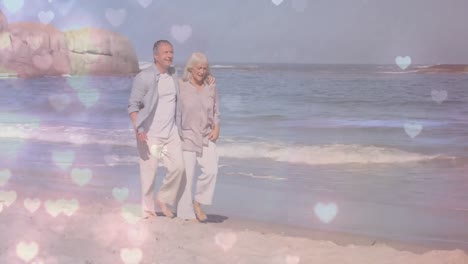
365 149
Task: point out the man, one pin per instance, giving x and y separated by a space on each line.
155 117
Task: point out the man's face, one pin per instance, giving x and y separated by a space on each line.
164 55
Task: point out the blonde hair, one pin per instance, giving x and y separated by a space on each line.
195 58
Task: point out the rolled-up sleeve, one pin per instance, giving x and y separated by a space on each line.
216 107
135 103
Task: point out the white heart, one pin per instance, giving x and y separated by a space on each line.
5 41
28 251
7 198
53 208
34 44
46 16
439 96
158 150
42 62
181 33
413 129
277 2
131 256
145 3
63 6
292 259
403 62
226 240
116 16
32 205
81 176
68 207
326 212
120 194
88 97
5 175
13 5
59 101
63 159
131 213
138 234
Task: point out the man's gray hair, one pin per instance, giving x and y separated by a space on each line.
158 43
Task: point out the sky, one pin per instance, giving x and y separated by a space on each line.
271 31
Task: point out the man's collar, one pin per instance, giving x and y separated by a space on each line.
170 71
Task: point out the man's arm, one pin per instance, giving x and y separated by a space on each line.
133 117
135 103
210 80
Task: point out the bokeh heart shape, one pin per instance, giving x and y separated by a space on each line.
226 240
7 198
81 176
27 251
326 212
5 175
32 204
413 129
120 194
131 213
403 62
131 256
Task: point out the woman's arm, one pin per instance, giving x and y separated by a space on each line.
215 134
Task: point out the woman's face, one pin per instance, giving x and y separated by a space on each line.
199 72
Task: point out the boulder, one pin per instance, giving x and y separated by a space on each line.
3 22
445 68
35 49
100 52
30 49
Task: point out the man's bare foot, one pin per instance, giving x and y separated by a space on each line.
164 209
201 216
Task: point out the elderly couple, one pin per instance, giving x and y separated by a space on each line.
176 121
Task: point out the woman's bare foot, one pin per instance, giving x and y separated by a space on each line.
201 216
164 209
148 215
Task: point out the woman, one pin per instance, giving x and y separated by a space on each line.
200 130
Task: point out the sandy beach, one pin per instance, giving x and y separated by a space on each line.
50 230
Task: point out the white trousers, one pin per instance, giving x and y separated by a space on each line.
151 152
208 162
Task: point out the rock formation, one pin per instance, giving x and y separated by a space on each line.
445 68
34 49
3 22
100 52
30 49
